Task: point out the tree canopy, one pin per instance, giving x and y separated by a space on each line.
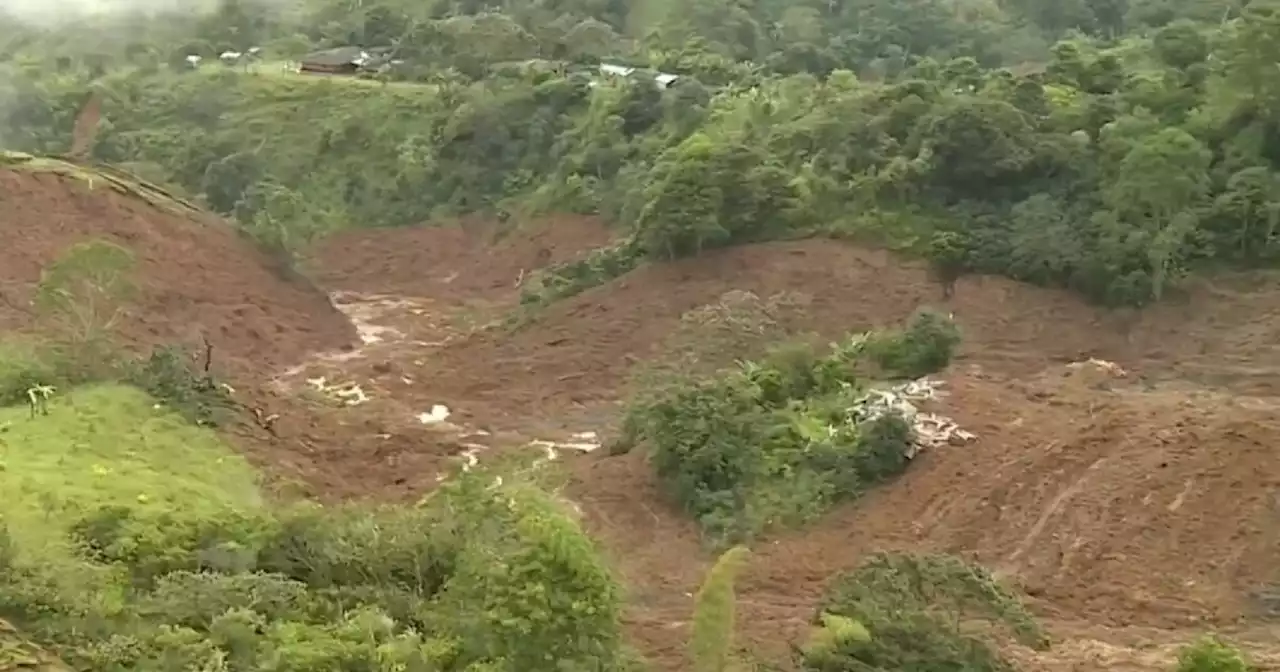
1108 147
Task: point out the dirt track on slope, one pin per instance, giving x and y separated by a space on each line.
1150 505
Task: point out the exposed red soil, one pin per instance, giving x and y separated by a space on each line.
579 352
195 277
380 449
1121 508
1150 505
469 259
1147 504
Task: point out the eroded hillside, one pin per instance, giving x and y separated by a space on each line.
972 283
1119 476
196 277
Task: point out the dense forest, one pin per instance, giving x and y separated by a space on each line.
1103 146
1108 147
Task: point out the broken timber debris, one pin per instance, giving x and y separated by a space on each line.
930 430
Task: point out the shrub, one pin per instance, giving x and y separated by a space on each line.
1210 654
391 547
926 346
897 612
883 447
529 591
772 441
82 297
928 582
198 599
714 613
477 577
22 367
153 545
169 376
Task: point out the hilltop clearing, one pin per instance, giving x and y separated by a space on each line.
197 277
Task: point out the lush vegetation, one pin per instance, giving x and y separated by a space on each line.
896 612
131 539
1104 146
476 578
779 440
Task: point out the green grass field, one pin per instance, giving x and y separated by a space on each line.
109 445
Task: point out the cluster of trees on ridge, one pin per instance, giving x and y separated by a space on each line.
1103 146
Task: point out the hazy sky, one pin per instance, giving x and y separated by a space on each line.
52 10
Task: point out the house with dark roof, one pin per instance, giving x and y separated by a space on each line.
339 61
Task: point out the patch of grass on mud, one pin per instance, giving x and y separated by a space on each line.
108 445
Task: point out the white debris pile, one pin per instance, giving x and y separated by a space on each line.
350 394
1110 368
931 430
583 442
438 414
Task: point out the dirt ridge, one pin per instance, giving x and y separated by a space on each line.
197 277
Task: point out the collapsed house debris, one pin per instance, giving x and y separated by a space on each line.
931 430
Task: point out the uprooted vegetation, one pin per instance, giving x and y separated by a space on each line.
779 440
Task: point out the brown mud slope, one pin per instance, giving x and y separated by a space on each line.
1124 507
468 259
419 288
578 352
197 277
1141 503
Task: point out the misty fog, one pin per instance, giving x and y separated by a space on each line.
52 11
